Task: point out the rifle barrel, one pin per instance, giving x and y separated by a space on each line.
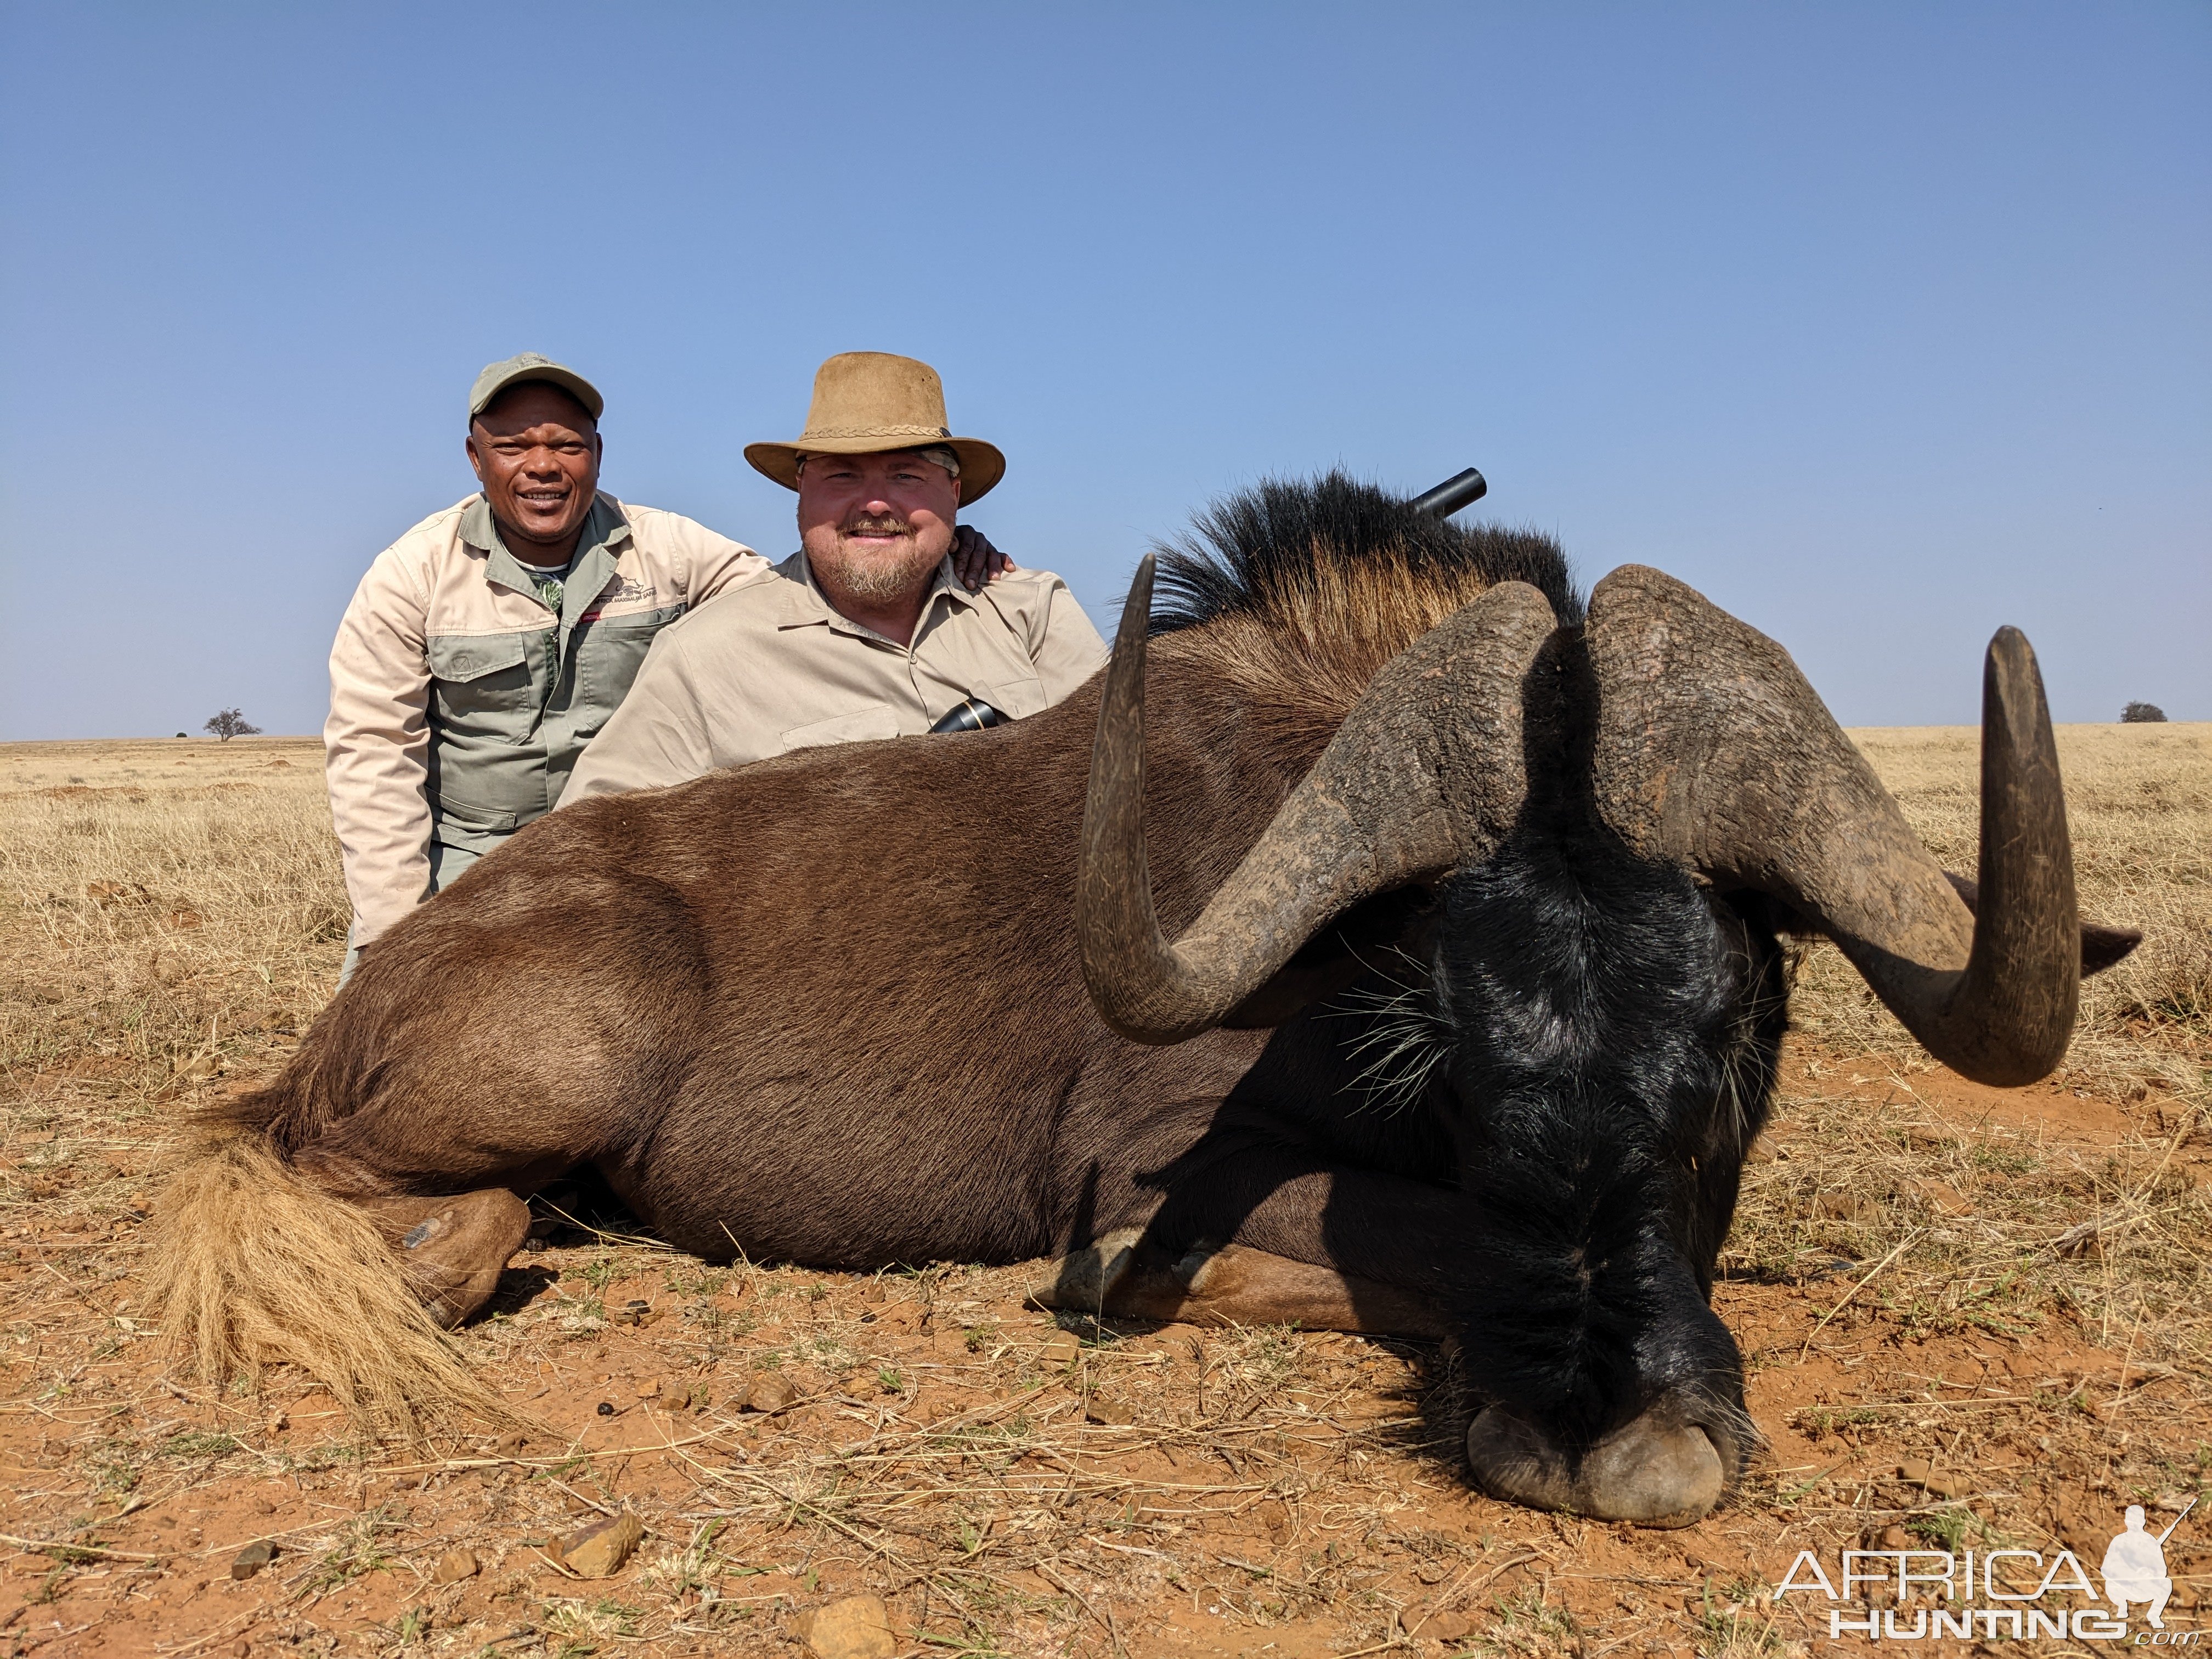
1461 489
2177 1520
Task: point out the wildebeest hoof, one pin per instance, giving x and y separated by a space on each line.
1082 1281
1657 1471
453 1249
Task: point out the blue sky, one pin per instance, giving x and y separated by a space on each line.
1882 325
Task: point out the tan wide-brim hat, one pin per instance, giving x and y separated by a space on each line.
867 402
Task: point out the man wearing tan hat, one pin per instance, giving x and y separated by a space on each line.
486 647
865 632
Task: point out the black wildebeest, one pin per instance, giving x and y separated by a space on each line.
1471 1008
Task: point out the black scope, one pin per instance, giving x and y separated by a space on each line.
969 715
1461 489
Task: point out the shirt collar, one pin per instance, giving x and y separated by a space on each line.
605 525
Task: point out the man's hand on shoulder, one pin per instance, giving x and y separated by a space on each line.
974 561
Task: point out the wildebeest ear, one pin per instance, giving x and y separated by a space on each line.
1333 959
2101 946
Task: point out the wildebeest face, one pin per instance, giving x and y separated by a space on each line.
1605 973
1611 1029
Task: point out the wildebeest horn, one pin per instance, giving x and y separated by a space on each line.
1426 773
1712 750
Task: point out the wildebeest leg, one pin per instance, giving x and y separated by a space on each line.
1261 1232
453 1248
452 1245
1127 1275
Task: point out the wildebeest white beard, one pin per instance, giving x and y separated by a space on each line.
1402 1042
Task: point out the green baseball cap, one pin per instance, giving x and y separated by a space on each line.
531 366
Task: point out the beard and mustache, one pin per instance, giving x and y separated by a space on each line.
875 577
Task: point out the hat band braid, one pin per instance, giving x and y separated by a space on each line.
875 432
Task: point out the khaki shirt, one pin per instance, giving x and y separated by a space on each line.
770 667
459 701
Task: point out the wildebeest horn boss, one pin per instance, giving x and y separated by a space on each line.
1433 933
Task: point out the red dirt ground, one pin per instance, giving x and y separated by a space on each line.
1278 1493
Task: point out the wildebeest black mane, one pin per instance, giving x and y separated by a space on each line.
1250 552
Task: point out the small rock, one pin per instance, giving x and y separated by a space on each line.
251 1559
857 1627
769 1393
1895 1538
1929 1479
649 1390
263 1506
1098 1410
1061 1350
598 1552
454 1565
1445 1626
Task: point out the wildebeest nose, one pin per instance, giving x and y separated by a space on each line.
1657 1471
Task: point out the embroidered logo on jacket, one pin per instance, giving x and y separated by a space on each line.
623 590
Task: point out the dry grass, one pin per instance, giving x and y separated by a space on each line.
224 911
2010 1286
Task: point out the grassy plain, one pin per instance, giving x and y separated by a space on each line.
1972 1318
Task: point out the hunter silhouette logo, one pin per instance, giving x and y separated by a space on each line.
1997 1595
2135 1567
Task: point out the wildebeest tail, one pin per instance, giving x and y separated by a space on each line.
253 1265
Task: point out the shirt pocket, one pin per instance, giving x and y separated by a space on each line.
607 660
480 685
1017 699
861 725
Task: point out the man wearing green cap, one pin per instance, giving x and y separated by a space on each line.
486 647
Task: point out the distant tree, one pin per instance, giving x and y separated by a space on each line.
2136 713
183 734
228 723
